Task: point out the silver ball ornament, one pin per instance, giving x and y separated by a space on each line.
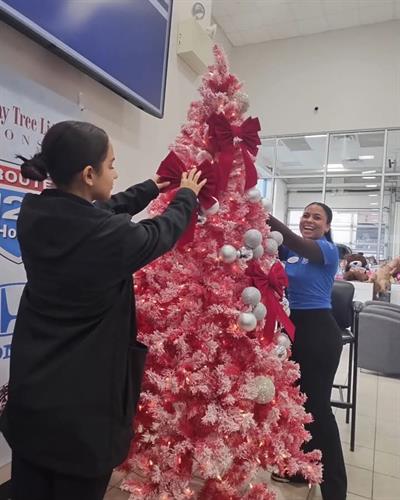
271 246
284 340
212 210
281 352
260 311
246 253
277 236
252 238
228 254
265 389
247 321
267 204
258 252
253 195
243 101
251 296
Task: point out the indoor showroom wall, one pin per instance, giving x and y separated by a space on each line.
352 75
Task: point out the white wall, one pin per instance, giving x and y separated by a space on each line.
140 141
353 75
280 200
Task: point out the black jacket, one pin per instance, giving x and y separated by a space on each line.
76 367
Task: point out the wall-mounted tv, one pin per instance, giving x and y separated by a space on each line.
121 43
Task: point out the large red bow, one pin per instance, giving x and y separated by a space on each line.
171 169
222 135
271 287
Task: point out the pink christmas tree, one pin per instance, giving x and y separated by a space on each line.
219 400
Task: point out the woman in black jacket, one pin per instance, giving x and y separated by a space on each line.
76 367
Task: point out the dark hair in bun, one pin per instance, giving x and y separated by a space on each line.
35 168
67 148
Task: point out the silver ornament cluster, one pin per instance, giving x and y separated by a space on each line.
251 296
277 236
271 246
247 321
284 340
252 238
267 205
264 389
281 352
253 195
242 100
228 254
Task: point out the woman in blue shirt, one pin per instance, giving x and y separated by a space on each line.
311 265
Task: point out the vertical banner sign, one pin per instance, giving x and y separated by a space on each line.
27 111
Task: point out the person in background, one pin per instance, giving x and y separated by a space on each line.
76 367
311 265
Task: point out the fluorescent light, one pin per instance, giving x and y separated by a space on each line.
369 177
335 167
368 172
314 136
366 157
371 185
373 203
372 195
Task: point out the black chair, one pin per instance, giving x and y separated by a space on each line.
346 313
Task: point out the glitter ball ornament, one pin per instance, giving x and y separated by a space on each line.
281 352
251 296
253 195
260 311
252 238
228 254
258 252
247 321
212 210
277 236
271 246
243 101
284 340
267 204
265 389
246 253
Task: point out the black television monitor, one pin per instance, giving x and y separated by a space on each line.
121 43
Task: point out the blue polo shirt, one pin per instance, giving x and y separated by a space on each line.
310 285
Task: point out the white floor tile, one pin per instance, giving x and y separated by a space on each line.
387 464
359 481
361 457
365 431
386 488
388 442
350 496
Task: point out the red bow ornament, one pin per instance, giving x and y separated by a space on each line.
271 287
222 135
171 170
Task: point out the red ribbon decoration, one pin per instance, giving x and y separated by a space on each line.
271 287
222 135
171 169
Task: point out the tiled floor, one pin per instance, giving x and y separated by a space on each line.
374 467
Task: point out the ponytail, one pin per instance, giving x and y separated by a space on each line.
35 168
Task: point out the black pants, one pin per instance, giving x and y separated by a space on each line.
317 349
30 482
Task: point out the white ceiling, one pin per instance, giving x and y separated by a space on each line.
255 21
